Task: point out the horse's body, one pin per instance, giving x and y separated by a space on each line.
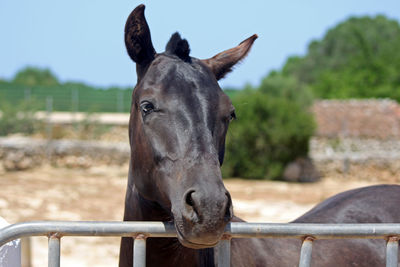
374 204
179 119
364 205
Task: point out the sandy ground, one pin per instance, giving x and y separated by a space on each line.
48 193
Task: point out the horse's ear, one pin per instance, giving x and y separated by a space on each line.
223 62
138 39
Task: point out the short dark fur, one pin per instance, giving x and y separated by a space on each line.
177 145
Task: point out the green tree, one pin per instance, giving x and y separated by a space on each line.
358 58
32 76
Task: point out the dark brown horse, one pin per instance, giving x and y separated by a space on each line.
179 119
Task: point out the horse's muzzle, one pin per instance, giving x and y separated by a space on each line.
202 218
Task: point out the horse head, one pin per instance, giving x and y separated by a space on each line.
178 122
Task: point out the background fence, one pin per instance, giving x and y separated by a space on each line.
71 97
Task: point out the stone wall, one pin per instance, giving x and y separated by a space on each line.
361 157
19 153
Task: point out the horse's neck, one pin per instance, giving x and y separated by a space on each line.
137 208
162 250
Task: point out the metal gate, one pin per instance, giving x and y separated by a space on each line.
55 230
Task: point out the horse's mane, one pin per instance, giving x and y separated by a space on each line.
179 47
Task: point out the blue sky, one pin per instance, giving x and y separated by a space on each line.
82 40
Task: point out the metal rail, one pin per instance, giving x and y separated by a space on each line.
55 230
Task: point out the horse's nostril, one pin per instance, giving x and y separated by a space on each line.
189 199
228 211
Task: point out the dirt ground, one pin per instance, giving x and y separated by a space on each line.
49 193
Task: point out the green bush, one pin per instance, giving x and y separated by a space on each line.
288 87
272 129
18 118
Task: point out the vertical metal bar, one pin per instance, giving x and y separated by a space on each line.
54 251
139 251
305 253
75 100
392 250
224 252
27 94
49 110
120 101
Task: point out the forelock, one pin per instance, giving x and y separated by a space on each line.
179 47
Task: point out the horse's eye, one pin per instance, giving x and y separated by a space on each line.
232 116
146 107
